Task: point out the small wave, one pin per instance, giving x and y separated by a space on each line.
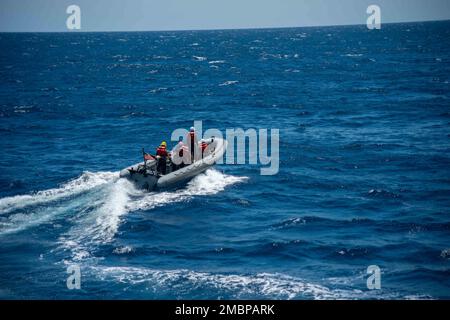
198 58
238 286
228 83
352 55
445 254
266 55
354 252
161 57
24 109
123 250
161 89
289 223
382 194
217 62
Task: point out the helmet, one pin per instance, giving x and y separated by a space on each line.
192 129
163 144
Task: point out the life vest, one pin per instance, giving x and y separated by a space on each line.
161 151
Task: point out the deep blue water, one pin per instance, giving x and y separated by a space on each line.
364 175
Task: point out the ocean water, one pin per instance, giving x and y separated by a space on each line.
364 174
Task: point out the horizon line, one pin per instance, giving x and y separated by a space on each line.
230 29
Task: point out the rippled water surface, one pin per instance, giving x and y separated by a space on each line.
364 175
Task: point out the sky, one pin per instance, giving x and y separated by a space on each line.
153 15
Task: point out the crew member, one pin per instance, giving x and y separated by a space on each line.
162 154
192 142
204 145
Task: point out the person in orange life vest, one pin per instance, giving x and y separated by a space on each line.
192 143
204 145
162 154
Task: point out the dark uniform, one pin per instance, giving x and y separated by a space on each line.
162 160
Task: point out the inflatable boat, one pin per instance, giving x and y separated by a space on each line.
145 174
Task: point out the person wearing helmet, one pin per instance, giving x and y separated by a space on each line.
192 142
161 156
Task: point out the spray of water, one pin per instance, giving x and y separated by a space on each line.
94 204
24 211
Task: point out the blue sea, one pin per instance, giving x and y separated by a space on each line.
364 179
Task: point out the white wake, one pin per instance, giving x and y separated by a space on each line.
85 182
209 183
20 212
91 207
238 286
